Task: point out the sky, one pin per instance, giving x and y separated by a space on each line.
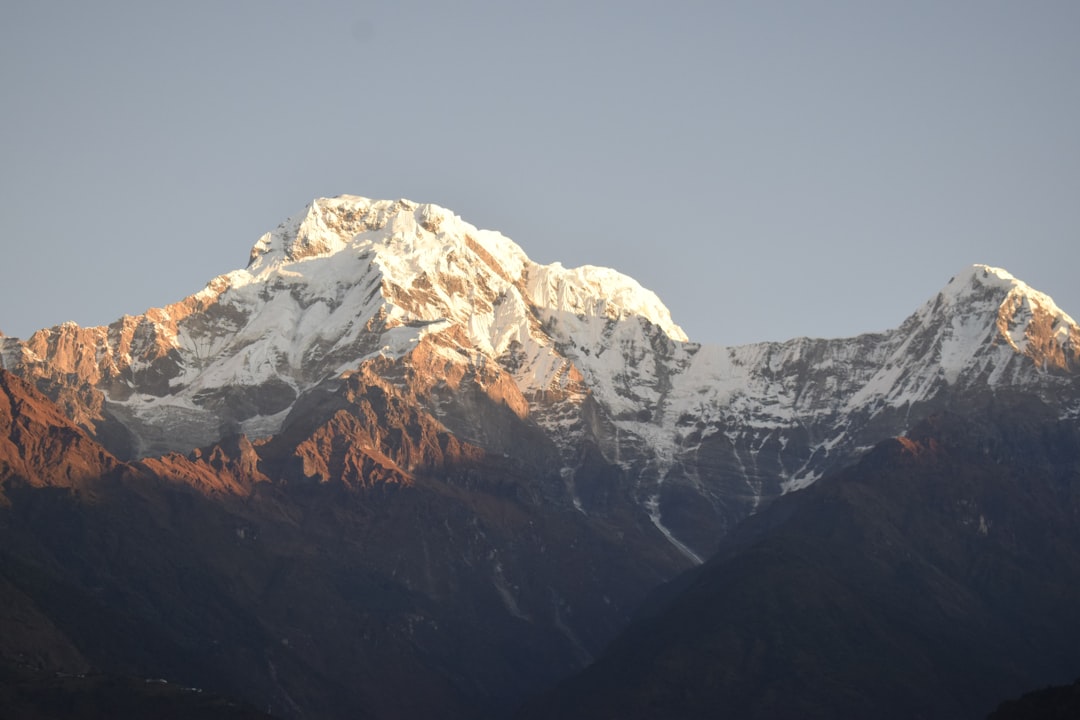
770 169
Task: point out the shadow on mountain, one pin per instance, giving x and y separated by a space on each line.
936 577
29 695
396 586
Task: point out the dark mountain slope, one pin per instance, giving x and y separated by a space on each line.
935 578
27 695
419 577
1060 702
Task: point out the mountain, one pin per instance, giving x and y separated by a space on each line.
392 467
933 579
494 347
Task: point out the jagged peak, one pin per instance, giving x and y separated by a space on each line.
985 306
982 275
981 285
325 225
329 225
420 242
977 291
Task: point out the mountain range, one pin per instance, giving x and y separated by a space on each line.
394 468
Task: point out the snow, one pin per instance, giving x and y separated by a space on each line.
599 293
350 278
652 505
261 426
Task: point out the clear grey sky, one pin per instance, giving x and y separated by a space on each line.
770 169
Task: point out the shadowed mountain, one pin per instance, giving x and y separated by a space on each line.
28 695
447 590
933 579
1060 702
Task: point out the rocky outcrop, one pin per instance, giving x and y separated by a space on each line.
229 467
39 445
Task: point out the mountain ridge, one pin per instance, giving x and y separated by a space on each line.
394 467
584 356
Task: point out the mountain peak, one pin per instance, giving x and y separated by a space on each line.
325 226
436 261
346 280
978 285
991 284
985 311
984 275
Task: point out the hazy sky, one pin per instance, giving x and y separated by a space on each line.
770 169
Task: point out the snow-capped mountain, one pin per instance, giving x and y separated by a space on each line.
344 282
394 468
584 358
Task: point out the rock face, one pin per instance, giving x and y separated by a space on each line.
42 447
444 474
